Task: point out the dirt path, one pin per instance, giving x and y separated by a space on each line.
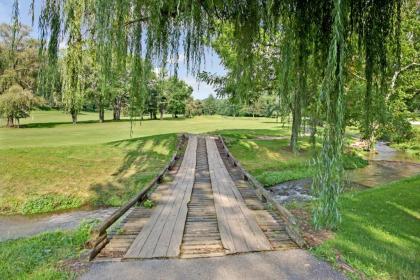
13 227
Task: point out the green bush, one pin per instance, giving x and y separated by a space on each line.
15 103
353 161
271 178
49 202
148 203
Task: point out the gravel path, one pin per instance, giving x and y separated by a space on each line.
291 264
13 227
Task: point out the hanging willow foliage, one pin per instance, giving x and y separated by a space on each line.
15 27
327 182
316 33
73 59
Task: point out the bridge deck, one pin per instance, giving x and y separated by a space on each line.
238 229
162 235
207 210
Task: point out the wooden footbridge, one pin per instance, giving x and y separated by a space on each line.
207 205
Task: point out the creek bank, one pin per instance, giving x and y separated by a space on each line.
386 164
17 226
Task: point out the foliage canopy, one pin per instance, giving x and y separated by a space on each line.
318 34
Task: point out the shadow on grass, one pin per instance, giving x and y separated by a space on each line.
144 159
54 124
249 133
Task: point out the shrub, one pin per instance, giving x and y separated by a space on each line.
15 103
148 203
49 202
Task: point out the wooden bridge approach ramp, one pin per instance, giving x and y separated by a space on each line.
206 209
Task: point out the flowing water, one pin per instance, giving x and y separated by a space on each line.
385 165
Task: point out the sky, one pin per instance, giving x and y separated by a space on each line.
201 89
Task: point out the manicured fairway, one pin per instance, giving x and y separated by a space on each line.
56 133
44 179
48 165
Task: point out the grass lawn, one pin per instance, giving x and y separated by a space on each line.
42 256
272 161
50 165
56 133
44 179
380 231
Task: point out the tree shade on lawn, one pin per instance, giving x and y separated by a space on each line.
48 165
167 24
46 179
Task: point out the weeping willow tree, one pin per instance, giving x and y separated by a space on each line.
159 30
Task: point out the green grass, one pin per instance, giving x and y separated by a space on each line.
42 256
51 165
44 179
272 161
411 147
49 132
380 231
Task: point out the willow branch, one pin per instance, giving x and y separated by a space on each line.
142 19
396 75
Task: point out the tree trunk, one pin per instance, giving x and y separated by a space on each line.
10 122
74 117
161 114
117 109
101 113
312 137
368 131
296 115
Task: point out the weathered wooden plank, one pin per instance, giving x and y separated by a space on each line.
162 231
290 222
178 223
238 228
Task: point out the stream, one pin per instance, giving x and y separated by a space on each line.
385 165
16 226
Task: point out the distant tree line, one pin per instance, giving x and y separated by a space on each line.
264 106
23 86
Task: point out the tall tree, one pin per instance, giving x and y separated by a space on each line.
19 61
330 25
180 92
